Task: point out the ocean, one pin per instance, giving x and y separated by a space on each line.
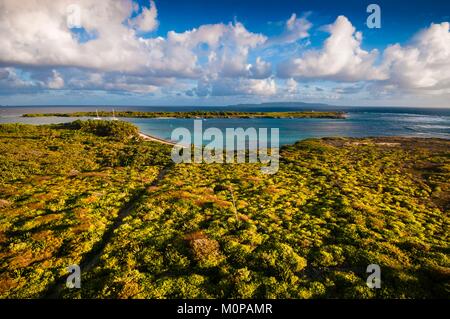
361 121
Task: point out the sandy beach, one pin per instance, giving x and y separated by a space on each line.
155 139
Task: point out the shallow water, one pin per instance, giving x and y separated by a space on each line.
361 122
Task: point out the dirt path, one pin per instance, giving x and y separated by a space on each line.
91 259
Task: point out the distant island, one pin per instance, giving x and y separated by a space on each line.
284 104
199 114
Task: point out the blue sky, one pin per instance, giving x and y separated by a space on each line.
224 52
400 19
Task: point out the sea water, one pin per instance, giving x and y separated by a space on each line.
360 122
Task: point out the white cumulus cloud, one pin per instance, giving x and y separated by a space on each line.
422 65
341 57
147 20
295 29
113 50
56 81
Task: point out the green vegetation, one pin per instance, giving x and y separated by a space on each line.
117 130
199 114
61 188
221 230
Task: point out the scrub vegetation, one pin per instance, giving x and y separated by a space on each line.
61 187
335 206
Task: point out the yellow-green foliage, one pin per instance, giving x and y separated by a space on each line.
334 207
58 195
118 130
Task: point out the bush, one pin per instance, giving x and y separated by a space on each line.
279 259
204 250
118 130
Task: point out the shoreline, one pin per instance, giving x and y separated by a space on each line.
147 137
374 141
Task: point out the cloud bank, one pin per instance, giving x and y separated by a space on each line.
115 48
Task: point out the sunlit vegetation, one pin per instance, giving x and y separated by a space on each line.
60 189
310 231
223 230
199 114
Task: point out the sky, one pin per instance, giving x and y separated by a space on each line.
177 52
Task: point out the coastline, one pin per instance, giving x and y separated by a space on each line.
357 124
147 137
